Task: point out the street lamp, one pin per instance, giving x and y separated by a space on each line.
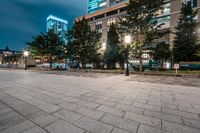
66 60
127 39
104 46
26 54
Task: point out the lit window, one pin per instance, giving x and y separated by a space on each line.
111 21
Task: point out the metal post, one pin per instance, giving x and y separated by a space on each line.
26 63
127 69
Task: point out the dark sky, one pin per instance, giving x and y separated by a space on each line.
22 19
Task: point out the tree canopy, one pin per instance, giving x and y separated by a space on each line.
83 43
186 44
112 52
47 47
141 22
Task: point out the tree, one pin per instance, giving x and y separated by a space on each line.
47 47
83 43
14 58
112 53
185 43
142 24
161 52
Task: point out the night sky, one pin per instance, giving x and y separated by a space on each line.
22 19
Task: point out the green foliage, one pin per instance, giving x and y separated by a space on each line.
112 53
11 58
141 23
47 47
162 52
83 43
186 44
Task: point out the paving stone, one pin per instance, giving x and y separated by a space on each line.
171 106
67 115
70 106
5 110
155 103
8 114
128 102
2 106
189 109
146 106
181 113
143 119
105 102
42 118
130 108
192 123
50 108
121 123
87 98
147 129
164 116
18 128
117 130
177 128
92 113
34 129
111 110
8 120
70 99
85 92
61 126
88 104
93 126
26 109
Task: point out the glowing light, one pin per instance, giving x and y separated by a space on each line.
127 39
56 18
26 53
104 46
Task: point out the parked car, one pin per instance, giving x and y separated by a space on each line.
88 66
55 66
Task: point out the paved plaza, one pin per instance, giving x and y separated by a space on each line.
33 102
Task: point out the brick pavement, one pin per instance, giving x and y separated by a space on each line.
32 102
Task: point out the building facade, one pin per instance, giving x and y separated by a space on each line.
58 25
96 5
101 18
8 56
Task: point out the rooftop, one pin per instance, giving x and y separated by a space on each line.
56 18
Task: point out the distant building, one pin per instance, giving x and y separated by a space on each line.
8 56
102 13
58 25
96 5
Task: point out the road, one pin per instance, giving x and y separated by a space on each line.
34 102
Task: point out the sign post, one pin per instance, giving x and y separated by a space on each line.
176 66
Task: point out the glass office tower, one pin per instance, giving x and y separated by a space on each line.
58 25
95 5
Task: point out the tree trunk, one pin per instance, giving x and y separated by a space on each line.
113 65
141 65
51 62
162 64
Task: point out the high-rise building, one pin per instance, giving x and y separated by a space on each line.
101 18
58 25
110 11
96 5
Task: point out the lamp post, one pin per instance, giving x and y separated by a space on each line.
66 60
26 54
104 46
127 42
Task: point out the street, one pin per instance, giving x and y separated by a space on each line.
35 102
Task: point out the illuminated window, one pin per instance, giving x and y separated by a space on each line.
192 2
98 25
111 21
